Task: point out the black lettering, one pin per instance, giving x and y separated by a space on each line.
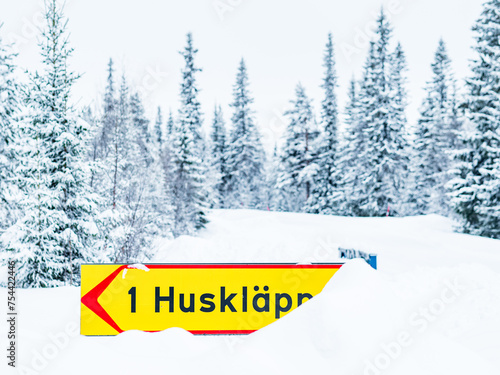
279 308
205 299
169 299
301 296
191 303
245 302
264 296
226 301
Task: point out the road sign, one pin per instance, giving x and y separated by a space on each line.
201 298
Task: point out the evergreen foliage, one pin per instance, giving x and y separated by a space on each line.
245 154
475 188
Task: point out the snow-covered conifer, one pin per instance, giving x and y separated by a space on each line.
245 153
349 168
384 158
218 156
435 138
57 231
189 169
297 156
325 194
475 188
9 108
159 128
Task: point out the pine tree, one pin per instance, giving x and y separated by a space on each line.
385 157
297 158
140 125
166 154
9 110
398 70
189 168
190 110
170 124
187 182
402 148
326 196
109 112
435 138
167 150
475 188
58 231
218 156
125 152
245 156
349 167
159 128
93 151
35 238
273 199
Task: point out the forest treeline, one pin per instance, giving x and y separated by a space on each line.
81 185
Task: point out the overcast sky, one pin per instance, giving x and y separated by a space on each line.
282 42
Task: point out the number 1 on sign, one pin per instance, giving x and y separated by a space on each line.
132 299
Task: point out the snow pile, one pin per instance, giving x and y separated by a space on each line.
362 323
402 244
433 308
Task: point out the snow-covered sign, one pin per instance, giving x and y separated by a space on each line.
370 258
201 298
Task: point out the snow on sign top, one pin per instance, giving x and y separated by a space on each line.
200 298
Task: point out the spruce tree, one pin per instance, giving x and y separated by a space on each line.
170 125
109 119
325 194
245 155
272 193
187 182
188 162
140 125
297 159
349 168
356 162
402 150
93 149
9 111
190 110
58 230
475 188
218 155
435 138
159 128
166 153
385 157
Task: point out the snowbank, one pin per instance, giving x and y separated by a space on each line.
362 323
433 308
402 244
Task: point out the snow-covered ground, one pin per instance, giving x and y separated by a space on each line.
433 307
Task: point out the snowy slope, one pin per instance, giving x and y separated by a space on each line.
402 244
432 308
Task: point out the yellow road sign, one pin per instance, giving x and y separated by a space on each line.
201 298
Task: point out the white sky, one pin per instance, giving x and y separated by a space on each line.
281 40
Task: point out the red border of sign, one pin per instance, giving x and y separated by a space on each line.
90 299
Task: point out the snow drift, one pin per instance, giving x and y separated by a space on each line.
433 308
